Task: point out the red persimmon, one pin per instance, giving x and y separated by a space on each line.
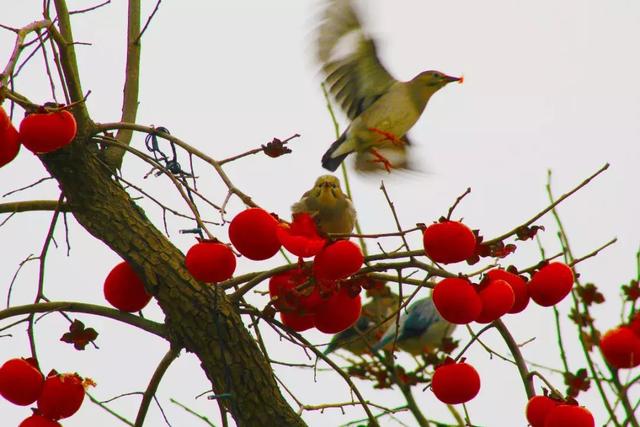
621 347
497 299
538 409
124 290
455 383
62 396
46 132
297 322
551 284
210 261
253 234
448 242
39 421
457 300
518 285
569 416
20 381
282 288
338 261
338 312
301 238
9 141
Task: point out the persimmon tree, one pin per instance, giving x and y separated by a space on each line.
215 322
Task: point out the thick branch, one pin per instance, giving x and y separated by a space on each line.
199 318
114 155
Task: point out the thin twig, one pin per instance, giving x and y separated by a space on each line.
458 200
255 151
146 24
89 9
548 208
150 392
192 412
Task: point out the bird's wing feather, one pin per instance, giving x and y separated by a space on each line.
420 319
363 324
390 333
354 74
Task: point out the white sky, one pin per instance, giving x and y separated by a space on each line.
548 85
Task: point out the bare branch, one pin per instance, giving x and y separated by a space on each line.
78 307
146 24
216 165
548 208
68 62
89 9
114 155
150 392
17 48
33 205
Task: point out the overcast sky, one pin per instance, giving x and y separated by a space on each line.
548 85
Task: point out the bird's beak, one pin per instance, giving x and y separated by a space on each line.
450 79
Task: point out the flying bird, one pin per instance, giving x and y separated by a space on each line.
420 329
381 109
359 338
331 209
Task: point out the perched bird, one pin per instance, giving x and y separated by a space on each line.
359 338
328 205
421 328
381 108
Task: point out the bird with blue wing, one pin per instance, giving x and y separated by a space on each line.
359 338
419 330
381 109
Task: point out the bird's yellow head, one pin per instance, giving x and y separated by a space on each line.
435 79
327 190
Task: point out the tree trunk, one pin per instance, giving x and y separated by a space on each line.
198 317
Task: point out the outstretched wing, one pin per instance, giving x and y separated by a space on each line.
353 73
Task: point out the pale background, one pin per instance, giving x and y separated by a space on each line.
548 85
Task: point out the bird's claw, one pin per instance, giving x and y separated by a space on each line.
387 136
379 158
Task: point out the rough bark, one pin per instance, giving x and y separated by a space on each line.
199 318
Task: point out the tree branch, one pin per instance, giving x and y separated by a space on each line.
102 127
150 392
548 208
64 41
114 155
17 48
78 307
33 205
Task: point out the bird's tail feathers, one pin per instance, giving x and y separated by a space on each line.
380 344
330 349
330 162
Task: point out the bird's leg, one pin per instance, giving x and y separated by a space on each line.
379 158
426 349
387 136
